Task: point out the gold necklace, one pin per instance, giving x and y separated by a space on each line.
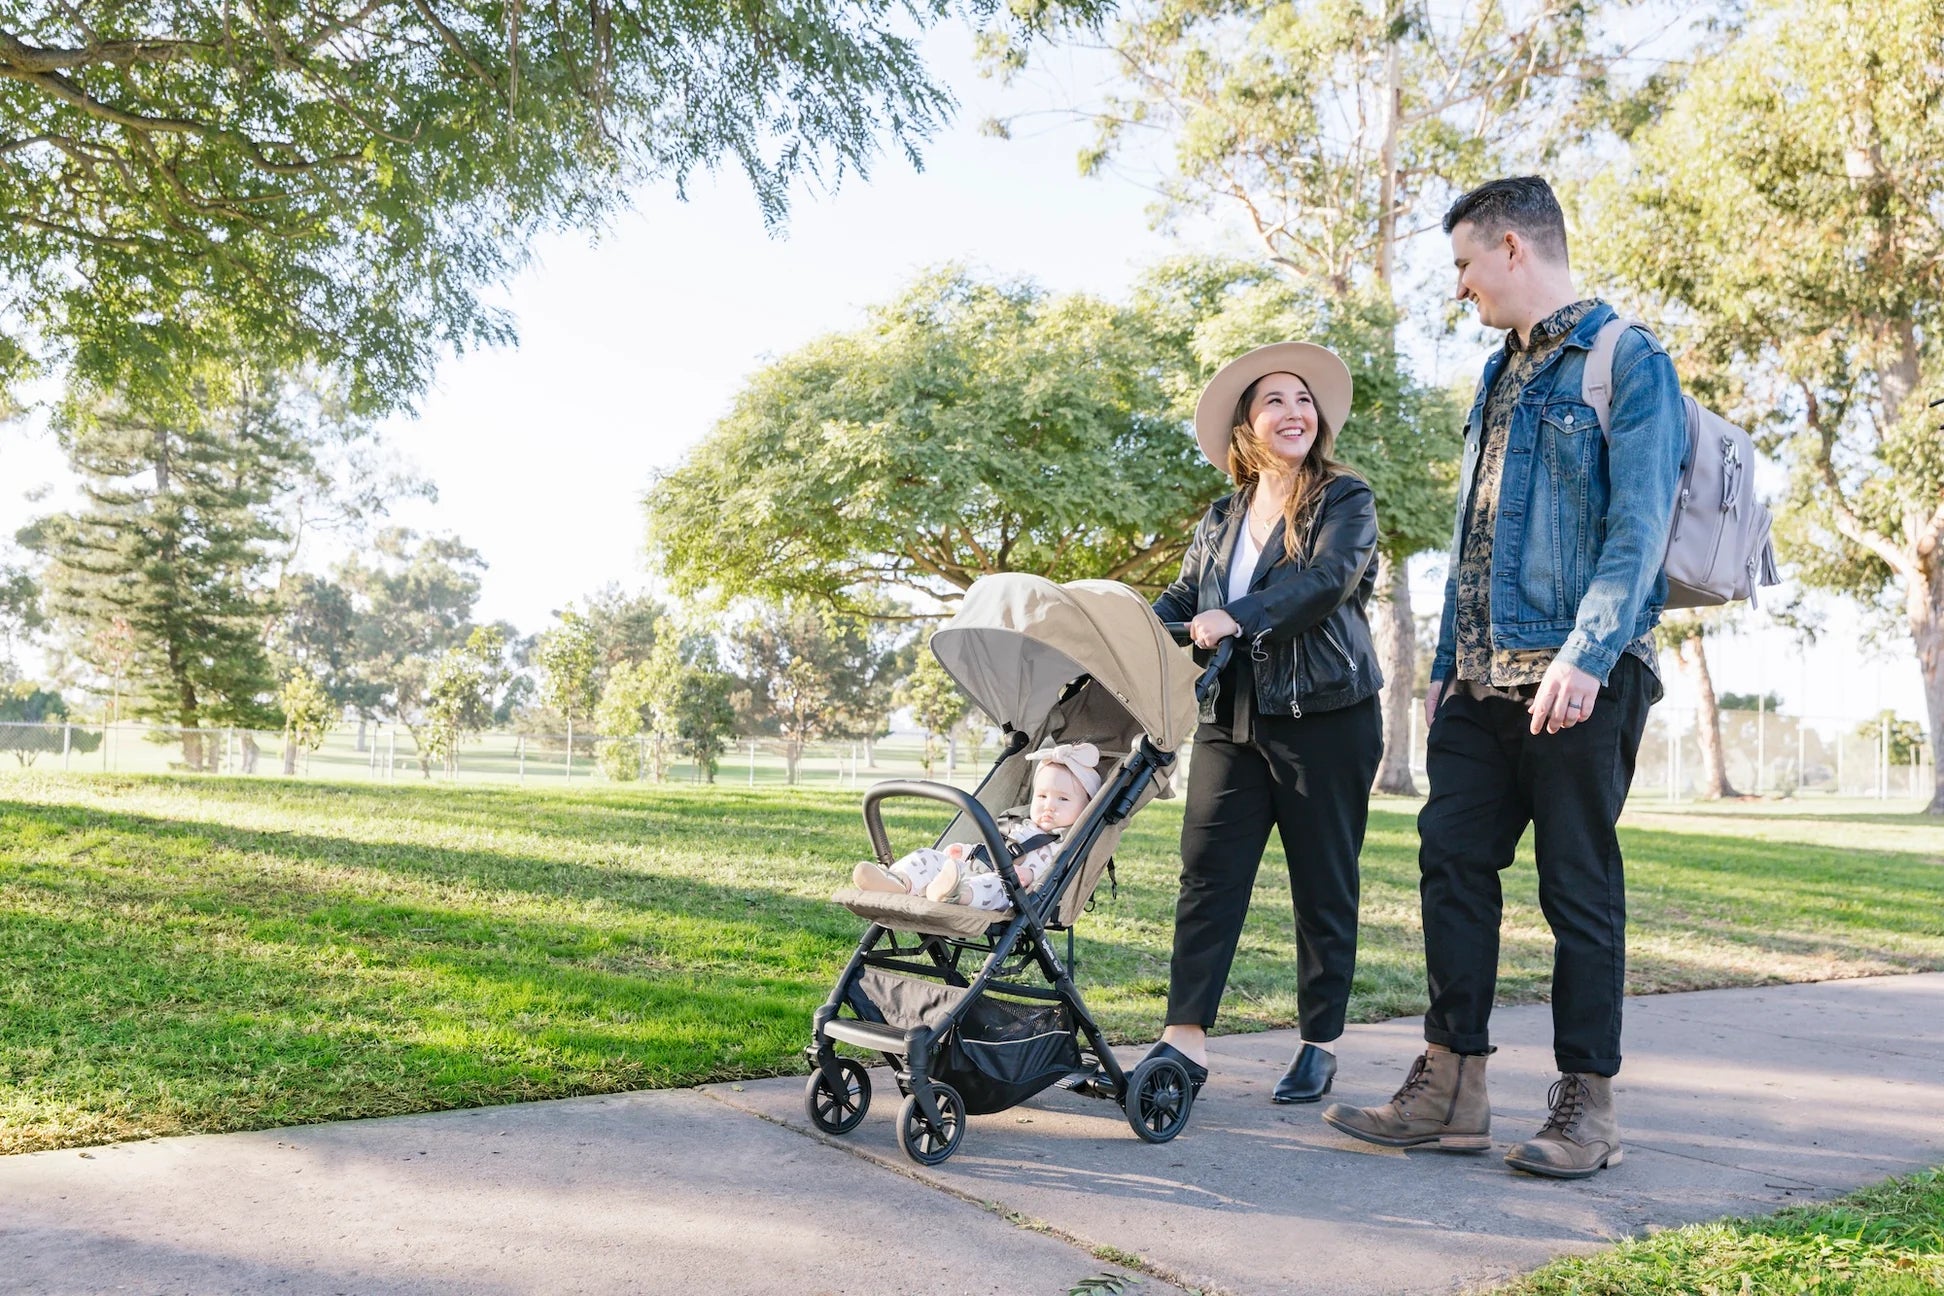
1262 527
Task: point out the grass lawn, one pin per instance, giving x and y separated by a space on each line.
1882 1241
194 954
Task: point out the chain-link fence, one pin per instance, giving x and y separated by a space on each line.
1764 754
389 753
1768 754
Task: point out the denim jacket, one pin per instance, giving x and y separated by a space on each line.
1583 518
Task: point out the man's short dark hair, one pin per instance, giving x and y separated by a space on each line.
1524 204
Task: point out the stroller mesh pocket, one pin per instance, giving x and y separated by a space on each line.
1005 1052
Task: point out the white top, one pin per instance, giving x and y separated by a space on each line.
1243 565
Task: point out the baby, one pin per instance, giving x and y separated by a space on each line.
1067 778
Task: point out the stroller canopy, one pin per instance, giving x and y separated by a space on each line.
1018 640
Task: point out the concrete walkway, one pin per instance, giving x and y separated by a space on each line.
1733 1102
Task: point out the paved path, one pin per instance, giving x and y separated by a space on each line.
1733 1101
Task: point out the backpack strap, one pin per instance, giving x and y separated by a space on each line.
1596 380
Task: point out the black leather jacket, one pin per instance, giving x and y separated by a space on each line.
1303 621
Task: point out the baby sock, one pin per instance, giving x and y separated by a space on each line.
872 876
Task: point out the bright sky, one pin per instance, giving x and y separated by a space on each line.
632 347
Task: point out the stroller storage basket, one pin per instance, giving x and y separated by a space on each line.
1005 1052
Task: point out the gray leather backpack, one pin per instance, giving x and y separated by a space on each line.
1718 548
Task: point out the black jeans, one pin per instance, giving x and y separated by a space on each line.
1490 777
1310 779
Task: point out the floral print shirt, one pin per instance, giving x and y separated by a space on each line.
1478 659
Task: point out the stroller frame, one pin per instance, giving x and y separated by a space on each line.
1156 1096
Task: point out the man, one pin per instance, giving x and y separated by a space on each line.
1541 684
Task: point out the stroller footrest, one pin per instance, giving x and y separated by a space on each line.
875 1036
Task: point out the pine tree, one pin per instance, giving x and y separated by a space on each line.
177 539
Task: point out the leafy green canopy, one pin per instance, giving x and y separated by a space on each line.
968 428
335 181
1784 213
972 428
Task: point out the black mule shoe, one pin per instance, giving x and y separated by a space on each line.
1197 1073
1308 1077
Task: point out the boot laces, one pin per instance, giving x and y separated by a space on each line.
1567 1098
1413 1082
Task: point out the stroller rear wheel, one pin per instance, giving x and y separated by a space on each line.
836 1112
920 1142
1159 1095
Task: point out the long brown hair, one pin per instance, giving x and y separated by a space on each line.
1248 458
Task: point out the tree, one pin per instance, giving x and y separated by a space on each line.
623 626
1905 737
336 182
182 473
308 714
935 701
969 428
316 637
692 700
811 665
1335 132
20 608
29 728
459 694
412 600
621 716
569 657
1686 633
1783 214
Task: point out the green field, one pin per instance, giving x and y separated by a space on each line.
193 954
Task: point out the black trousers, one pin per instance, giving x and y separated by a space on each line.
1310 779
1490 777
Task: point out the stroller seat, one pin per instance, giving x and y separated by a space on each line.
912 913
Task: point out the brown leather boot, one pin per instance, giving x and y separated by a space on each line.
1442 1103
1580 1138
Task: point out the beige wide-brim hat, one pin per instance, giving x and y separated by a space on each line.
1322 369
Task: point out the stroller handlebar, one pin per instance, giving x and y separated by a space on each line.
1223 650
965 802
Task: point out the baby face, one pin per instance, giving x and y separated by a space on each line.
1057 798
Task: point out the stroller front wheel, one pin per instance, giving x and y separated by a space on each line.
833 1111
1159 1096
920 1141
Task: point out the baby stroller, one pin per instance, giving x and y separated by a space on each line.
973 1009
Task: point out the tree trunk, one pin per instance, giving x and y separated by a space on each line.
1395 630
1925 602
249 752
792 753
361 734
870 753
1707 720
290 752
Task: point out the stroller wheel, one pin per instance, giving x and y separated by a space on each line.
834 1112
1159 1095
918 1139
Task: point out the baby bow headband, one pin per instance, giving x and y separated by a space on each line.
1081 760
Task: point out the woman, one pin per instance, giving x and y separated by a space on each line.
1293 736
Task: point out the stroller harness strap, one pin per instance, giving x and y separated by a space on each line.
1017 850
